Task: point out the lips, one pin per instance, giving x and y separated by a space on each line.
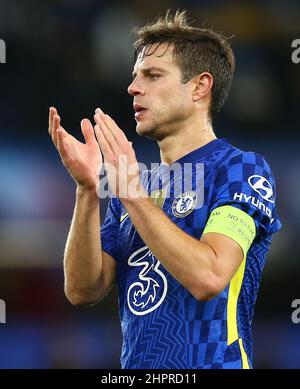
139 110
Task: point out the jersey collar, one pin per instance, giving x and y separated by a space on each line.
201 152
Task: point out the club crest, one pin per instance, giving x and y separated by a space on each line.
184 204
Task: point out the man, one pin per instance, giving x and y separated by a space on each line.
187 262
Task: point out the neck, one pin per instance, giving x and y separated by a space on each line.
185 140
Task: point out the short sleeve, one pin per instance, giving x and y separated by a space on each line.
110 228
246 182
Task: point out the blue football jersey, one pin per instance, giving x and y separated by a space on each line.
163 325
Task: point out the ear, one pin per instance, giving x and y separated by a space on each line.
202 85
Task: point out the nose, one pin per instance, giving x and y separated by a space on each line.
135 89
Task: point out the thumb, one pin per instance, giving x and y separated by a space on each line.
87 131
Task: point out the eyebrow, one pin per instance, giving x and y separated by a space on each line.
149 70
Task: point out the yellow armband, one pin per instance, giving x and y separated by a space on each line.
234 223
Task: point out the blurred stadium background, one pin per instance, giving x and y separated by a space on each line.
76 55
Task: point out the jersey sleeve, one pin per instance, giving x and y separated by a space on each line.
246 182
110 228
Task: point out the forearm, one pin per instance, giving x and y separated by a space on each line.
83 258
190 261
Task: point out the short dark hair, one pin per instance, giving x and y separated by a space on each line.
196 50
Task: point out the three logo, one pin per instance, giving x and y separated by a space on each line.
148 293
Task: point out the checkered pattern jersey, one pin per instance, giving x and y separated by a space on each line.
163 325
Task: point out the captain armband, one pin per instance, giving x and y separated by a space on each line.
233 223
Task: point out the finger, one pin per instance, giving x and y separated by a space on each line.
88 131
110 139
115 129
119 135
104 145
102 117
55 126
54 120
62 144
111 126
52 111
108 124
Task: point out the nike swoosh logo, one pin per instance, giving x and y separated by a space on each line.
123 217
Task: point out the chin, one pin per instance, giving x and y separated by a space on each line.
144 130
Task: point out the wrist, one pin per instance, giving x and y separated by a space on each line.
82 190
137 197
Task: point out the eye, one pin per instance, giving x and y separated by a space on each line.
153 76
